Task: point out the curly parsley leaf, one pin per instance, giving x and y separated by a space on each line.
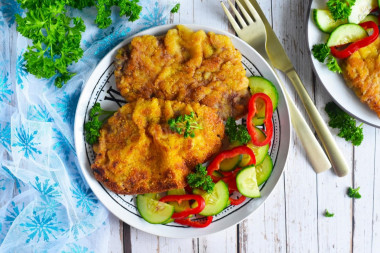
328 214
184 124
237 133
321 52
200 179
340 9
354 193
175 8
92 127
345 123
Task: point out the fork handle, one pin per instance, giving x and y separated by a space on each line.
336 157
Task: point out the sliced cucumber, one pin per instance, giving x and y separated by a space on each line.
361 9
371 17
154 211
264 170
215 201
230 164
217 174
325 21
345 34
246 182
184 204
258 84
259 151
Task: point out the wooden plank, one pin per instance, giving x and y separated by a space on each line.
364 173
300 179
115 243
376 196
334 234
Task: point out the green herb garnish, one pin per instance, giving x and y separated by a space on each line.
184 124
200 179
340 9
321 52
175 8
92 127
328 214
56 35
345 123
237 133
354 193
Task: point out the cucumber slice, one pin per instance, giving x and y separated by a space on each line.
371 17
264 170
260 84
361 9
184 204
345 34
325 21
246 182
230 164
217 174
259 151
215 201
154 211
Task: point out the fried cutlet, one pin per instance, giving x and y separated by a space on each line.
361 71
138 153
185 66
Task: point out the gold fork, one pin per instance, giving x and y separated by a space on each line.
260 36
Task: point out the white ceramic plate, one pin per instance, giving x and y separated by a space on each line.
334 83
101 88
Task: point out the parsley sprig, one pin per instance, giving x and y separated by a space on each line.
237 133
340 9
354 193
92 127
321 52
175 8
345 123
328 214
200 179
56 36
184 124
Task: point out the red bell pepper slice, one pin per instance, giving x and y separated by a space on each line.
179 198
237 201
215 164
195 224
267 122
350 49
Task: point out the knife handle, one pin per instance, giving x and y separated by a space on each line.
314 151
335 155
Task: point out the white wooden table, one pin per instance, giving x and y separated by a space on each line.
292 218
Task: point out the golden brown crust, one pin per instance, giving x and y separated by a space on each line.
185 66
362 73
137 153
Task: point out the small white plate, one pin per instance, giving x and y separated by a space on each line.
334 83
101 88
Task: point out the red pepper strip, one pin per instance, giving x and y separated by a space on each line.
215 164
179 198
238 201
267 122
195 224
358 44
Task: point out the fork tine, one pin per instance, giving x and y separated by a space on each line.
230 18
245 13
254 13
237 14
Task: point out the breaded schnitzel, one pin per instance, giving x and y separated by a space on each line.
185 66
138 153
361 71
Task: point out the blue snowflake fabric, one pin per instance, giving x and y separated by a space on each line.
45 205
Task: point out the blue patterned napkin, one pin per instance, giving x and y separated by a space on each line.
45 205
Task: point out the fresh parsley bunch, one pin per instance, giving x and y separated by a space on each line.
184 124
56 36
200 179
321 52
340 9
237 133
92 127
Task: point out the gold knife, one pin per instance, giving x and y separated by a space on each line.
281 61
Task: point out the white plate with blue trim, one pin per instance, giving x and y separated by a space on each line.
101 87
